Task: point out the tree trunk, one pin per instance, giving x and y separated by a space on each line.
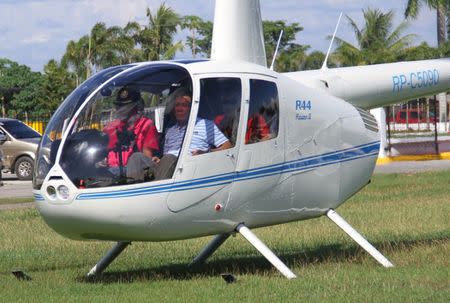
193 43
440 25
88 59
447 16
3 107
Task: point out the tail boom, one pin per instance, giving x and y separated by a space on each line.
383 84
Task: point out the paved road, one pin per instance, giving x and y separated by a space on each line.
12 187
408 167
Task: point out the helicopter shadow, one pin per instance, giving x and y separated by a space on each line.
258 265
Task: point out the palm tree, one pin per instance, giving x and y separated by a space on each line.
131 53
99 52
192 23
116 47
75 56
378 41
442 9
87 53
156 37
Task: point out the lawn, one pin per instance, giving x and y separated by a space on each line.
15 200
406 216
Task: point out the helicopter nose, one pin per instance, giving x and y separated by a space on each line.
125 218
61 218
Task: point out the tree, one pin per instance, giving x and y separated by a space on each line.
204 41
442 8
291 54
57 85
444 50
378 41
192 23
130 52
156 38
20 88
75 58
102 48
447 14
290 59
315 61
420 52
100 52
203 36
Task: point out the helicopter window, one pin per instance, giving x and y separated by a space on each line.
123 134
218 115
263 116
51 139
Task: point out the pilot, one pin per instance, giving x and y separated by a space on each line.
206 136
131 133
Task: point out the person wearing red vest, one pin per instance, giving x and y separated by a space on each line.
130 132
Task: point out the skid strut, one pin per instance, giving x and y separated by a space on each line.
110 256
265 251
210 249
334 216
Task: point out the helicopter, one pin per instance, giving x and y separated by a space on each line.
281 147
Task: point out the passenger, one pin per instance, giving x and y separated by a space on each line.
270 114
131 135
227 122
257 129
206 137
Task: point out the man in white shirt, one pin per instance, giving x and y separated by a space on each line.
206 137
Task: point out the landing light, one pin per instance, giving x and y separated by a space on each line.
63 192
51 191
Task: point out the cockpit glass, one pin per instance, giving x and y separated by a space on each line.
132 130
48 147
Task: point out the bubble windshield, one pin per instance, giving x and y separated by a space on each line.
120 136
48 147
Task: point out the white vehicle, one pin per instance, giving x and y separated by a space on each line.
298 145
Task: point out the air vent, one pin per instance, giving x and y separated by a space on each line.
55 178
369 120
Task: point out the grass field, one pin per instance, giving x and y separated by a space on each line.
406 216
15 200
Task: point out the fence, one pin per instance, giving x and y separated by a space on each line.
415 128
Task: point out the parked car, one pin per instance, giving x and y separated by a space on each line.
18 143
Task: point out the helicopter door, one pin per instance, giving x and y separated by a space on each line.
208 164
262 144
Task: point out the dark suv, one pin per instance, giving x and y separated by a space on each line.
18 143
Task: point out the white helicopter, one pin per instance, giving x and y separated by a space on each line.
279 147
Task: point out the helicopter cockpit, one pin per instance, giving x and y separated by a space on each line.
115 120
128 124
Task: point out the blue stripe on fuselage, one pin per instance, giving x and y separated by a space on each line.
38 197
344 155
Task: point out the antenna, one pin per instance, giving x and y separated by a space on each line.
324 66
276 50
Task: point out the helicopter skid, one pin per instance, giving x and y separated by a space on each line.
110 256
253 240
210 249
265 251
358 238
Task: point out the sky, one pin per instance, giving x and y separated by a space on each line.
34 31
